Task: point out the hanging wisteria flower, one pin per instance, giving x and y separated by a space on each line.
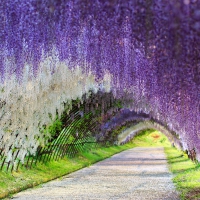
52 52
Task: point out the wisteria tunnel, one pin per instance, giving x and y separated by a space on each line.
79 73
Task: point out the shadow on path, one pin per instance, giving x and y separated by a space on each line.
136 174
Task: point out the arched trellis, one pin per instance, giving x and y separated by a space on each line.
131 132
54 51
80 123
90 123
129 123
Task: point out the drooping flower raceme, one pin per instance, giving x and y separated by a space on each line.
54 51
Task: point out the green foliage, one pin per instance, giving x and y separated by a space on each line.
117 131
55 128
114 133
118 104
151 137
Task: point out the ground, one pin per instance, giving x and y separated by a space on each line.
139 173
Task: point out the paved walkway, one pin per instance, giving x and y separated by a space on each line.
136 174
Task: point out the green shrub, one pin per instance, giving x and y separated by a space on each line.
55 128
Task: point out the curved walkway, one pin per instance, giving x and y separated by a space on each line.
136 174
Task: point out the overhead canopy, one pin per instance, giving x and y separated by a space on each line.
147 51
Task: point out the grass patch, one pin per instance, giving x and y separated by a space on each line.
186 174
11 183
151 138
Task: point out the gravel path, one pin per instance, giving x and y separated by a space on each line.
136 174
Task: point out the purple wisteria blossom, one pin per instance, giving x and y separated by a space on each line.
150 48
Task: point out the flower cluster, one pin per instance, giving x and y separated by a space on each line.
148 51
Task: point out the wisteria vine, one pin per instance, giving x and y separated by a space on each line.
147 51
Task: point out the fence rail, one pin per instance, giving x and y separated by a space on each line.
81 125
49 153
68 143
